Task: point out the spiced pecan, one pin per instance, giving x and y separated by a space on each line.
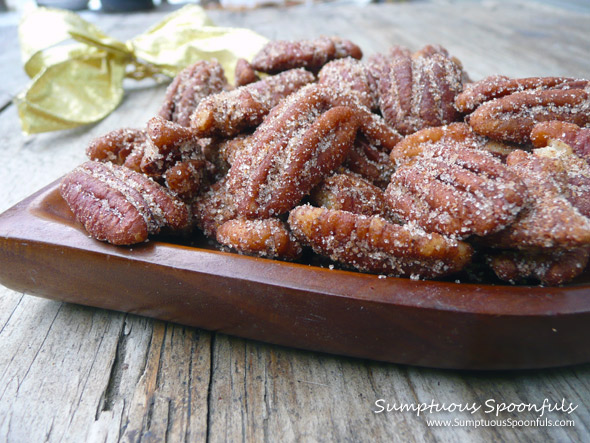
231 148
455 134
455 190
122 147
370 161
281 55
185 178
244 73
189 87
120 206
352 76
300 142
349 192
577 170
378 63
168 143
511 118
214 207
550 268
550 220
228 113
496 86
571 134
418 91
373 127
375 245
266 238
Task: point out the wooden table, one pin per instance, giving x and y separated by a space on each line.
73 373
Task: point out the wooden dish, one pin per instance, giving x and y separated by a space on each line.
45 252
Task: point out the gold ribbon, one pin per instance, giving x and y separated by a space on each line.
77 70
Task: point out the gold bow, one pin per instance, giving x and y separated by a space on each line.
81 81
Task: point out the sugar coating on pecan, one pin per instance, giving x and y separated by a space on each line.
281 55
349 192
244 73
214 207
230 149
228 113
185 178
370 161
351 75
168 143
378 63
375 245
118 205
511 118
455 190
418 91
496 86
263 237
122 147
300 142
189 87
571 134
550 220
553 267
454 134
372 126
577 170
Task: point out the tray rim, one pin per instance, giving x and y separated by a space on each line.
578 295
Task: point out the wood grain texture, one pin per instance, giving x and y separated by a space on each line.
69 373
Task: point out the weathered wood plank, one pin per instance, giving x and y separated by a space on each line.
261 391
12 75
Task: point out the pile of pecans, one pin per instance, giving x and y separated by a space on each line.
397 165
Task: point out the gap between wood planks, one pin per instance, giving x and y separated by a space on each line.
5 103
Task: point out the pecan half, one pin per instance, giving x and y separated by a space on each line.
454 134
120 206
577 170
511 118
214 207
457 134
375 245
266 238
185 178
373 127
370 161
550 220
352 76
419 91
496 86
455 190
571 134
378 64
550 268
228 113
122 147
245 74
189 87
300 142
167 144
349 192
280 55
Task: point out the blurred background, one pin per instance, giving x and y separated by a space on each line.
237 5
138 5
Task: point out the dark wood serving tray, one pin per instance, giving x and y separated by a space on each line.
44 252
